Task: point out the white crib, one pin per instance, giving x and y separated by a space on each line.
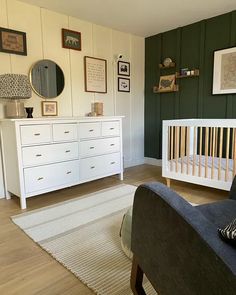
201 151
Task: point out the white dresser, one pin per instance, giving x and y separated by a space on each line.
42 155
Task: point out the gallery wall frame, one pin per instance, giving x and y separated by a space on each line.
95 74
49 108
12 41
71 39
224 78
123 84
123 68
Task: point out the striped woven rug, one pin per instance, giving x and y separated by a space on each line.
83 235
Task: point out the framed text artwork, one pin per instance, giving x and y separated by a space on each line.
123 68
49 108
224 78
13 41
123 84
95 71
71 39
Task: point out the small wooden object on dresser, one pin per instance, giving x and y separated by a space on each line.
43 155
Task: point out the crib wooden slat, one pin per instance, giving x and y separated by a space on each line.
216 142
232 151
227 155
211 141
213 152
177 149
172 148
182 145
200 154
220 153
187 148
234 148
194 150
206 150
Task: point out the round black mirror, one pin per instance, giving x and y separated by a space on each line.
47 79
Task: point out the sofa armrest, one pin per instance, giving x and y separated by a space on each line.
232 192
177 247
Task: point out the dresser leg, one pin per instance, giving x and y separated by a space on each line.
121 176
8 195
23 202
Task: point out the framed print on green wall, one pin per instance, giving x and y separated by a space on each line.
224 78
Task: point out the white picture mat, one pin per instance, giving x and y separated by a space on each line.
95 74
217 72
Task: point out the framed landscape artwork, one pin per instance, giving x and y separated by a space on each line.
71 39
12 41
224 77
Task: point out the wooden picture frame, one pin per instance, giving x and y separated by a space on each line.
12 41
224 78
167 83
49 108
95 74
71 39
123 68
123 84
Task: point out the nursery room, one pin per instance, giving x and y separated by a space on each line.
117 141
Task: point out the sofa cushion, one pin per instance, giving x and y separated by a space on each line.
219 213
229 232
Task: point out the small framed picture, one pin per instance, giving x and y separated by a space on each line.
13 41
71 39
123 85
123 68
49 108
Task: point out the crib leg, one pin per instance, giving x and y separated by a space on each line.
168 182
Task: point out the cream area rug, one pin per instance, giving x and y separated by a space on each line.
83 235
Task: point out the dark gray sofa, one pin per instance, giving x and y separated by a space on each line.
177 245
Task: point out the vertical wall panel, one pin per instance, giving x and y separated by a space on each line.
190 47
152 100
189 58
52 23
81 100
217 37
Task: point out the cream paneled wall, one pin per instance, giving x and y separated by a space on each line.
43 29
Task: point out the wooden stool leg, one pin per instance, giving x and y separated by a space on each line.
168 182
136 279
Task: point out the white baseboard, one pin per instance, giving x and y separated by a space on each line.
152 161
133 162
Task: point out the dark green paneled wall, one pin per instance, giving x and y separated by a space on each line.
191 47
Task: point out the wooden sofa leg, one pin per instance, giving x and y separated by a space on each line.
136 279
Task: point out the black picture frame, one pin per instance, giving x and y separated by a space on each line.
71 39
123 84
12 41
123 68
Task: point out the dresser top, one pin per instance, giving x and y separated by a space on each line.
61 119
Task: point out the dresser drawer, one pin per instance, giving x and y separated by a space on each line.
96 147
45 154
111 128
64 132
98 166
33 134
89 130
48 176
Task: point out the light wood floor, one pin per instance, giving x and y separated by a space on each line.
27 269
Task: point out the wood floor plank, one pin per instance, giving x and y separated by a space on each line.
27 269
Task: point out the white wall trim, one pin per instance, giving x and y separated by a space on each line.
152 161
133 162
